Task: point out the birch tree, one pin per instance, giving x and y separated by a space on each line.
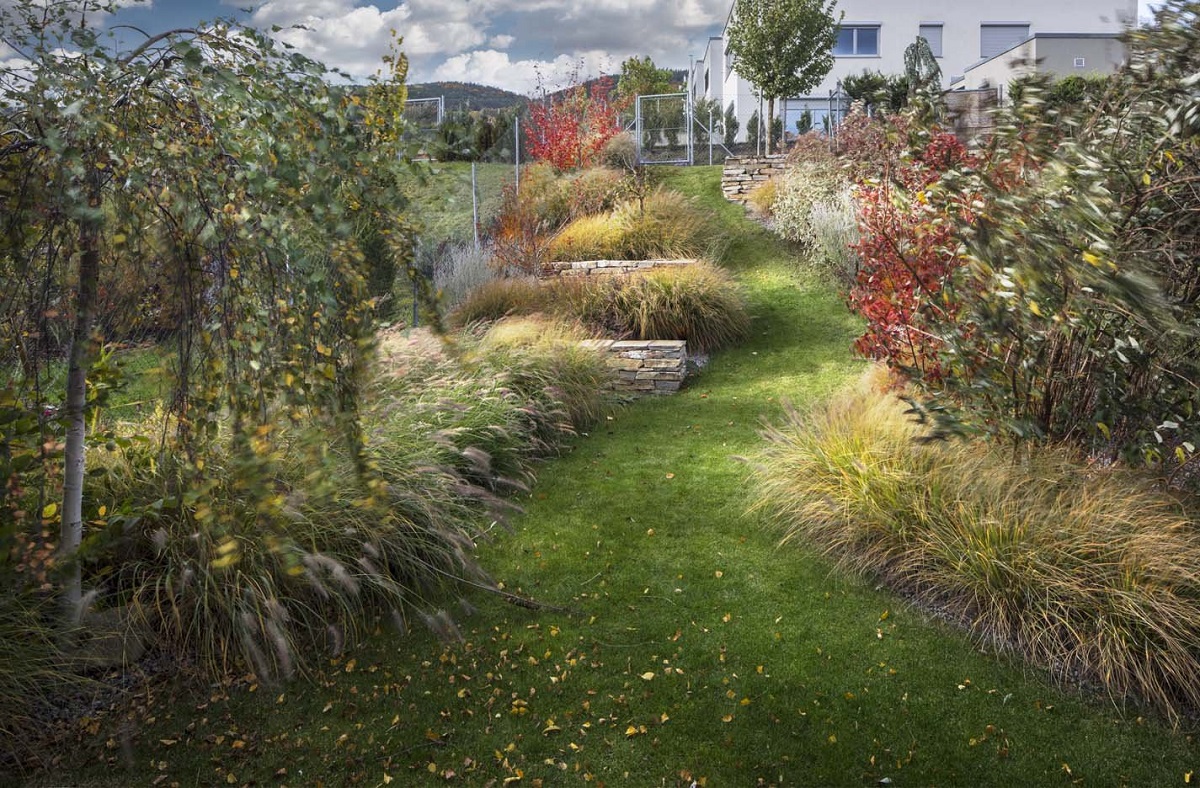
239 169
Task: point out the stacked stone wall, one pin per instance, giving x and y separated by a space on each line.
645 367
742 176
604 267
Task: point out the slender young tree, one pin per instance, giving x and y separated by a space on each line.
783 47
241 171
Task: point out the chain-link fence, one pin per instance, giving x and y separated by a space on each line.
663 129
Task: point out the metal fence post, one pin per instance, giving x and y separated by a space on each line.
475 206
710 135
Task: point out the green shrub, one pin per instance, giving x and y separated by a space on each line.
499 298
593 190
1091 573
806 183
620 152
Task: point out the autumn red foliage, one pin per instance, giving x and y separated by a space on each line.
570 129
908 252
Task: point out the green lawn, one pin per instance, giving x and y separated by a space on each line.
697 649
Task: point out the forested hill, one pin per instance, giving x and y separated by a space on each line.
462 95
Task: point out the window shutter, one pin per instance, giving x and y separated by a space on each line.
932 34
994 39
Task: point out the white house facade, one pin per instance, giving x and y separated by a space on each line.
962 34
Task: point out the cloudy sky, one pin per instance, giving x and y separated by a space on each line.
506 43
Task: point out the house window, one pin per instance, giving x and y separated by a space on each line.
933 34
997 38
706 81
857 41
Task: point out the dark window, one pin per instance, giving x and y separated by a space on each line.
857 41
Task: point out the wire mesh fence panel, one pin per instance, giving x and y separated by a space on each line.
663 129
422 117
709 144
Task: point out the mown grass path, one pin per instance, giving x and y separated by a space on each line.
698 649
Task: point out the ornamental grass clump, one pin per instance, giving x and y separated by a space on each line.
664 225
546 362
517 295
346 542
270 586
667 224
762 197
835 235
458 270
597 237
1091 573
699 303
30 667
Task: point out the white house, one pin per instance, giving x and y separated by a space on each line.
965 36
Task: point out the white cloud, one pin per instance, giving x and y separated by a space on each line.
522 76
355 37
465 39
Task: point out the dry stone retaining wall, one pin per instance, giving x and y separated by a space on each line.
640 367
742 176
604 267
645 366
